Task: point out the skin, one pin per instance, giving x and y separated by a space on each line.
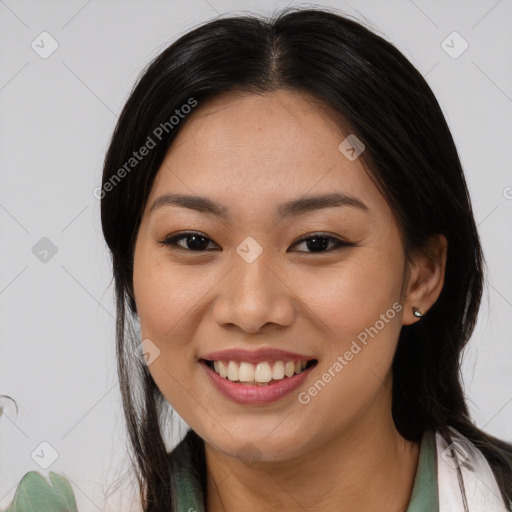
341 451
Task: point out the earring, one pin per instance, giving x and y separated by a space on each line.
416 312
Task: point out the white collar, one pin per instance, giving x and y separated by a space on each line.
478 490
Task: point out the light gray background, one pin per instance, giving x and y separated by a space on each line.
57 355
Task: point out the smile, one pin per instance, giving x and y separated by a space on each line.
262 374
240 383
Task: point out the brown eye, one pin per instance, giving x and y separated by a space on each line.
318 243
194 241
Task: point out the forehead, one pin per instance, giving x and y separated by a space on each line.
237 125
262 146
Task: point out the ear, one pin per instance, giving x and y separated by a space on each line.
426 271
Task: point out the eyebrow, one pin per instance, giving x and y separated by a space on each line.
290 208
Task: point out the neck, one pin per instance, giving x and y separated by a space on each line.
368 467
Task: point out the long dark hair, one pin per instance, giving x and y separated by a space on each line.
409 153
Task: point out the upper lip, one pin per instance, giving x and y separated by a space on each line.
256 356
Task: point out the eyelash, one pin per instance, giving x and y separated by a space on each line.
171 242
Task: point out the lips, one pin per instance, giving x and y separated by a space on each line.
257 376
255 393
256 356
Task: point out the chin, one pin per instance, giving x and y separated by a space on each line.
252 448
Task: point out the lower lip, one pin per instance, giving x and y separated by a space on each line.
256 395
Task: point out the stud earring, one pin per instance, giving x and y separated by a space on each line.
417 313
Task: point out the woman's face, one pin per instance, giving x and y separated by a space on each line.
251 283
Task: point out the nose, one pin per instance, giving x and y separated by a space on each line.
253 295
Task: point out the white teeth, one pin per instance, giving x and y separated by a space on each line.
278 370
232 370
223 371
289 369
262 373
246 372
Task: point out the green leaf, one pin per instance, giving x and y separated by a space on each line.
35 494
63 487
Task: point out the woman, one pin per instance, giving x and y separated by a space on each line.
290 225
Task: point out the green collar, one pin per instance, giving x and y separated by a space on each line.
189 496
425 494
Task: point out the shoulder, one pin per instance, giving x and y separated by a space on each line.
464 474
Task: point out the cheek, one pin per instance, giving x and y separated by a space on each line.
359 312
171 300
353 295
166 294
358 309
167 299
